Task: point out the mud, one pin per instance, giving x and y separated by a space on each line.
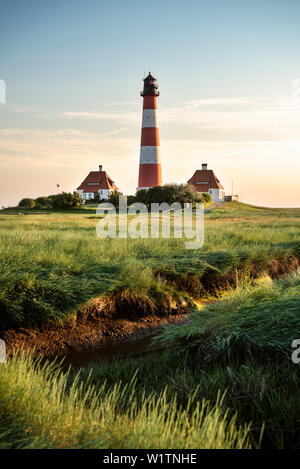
83 342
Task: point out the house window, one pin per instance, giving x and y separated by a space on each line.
201 182
93 183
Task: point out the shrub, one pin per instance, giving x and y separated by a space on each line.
169 193
96 199
66 200
27 203
206 197
43 202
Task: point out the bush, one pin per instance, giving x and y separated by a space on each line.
27 203
96 199
52 197
169 193
43 202
66 200
206 197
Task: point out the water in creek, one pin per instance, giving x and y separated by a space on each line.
109 351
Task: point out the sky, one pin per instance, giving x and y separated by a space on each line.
229 79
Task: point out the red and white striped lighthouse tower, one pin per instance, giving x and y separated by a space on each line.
150 166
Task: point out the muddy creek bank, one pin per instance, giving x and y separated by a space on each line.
82 344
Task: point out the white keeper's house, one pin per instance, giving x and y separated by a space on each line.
97 182
205 180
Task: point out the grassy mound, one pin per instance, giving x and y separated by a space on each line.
259 322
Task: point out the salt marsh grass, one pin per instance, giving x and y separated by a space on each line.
39 409
227 377
52 262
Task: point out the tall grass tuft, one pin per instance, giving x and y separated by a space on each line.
39 408
258 322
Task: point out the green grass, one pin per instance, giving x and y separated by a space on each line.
52 262
240 209
240 346
267 395
38 409
257 322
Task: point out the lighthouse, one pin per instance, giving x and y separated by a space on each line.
150 166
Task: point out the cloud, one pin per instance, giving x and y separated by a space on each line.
47 148
243 118
121 117
234 101
236 118
34 133
233 118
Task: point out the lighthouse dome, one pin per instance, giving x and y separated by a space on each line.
150 86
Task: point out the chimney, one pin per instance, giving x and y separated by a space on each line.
100 167
204 166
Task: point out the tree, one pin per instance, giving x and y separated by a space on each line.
66 200
27 203
114 198
131 199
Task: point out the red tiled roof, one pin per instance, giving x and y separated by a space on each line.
202 176
100 180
